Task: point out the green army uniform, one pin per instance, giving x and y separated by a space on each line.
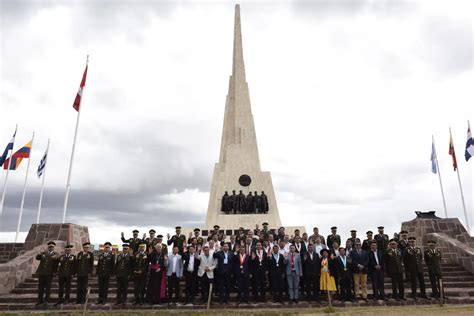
47 267
123 270
433 261
140 271
177 241
105 269
394 267
84 267
66 269
414 259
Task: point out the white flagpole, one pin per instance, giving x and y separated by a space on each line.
24 190
460 190
440 182
6 176
42 184
68 185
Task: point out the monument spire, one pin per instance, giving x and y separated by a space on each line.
238 67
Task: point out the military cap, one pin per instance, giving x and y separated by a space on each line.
69 246
323 250
125 246
108 244
177 227
216 226
265 224
297 230
152 231
369 232
197 230
411 238
391 241
380 227
403 232
86 244
353 231
51 243
135 231
431 242
159 236
334 227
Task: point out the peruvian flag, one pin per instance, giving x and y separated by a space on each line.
77 100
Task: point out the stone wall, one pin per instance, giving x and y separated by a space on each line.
40 234
10 250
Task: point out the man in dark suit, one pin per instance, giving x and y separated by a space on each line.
276 268
300 246
105 268
394 266
376 267
360 261
311 273
344 266
46 269
190 267
84 267
259 269
224 272
242 271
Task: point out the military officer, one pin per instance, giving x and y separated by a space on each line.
215 231
433 261
123 269
403 245
105 268
66 269
394 262
366 243
178 240
134 241
164 247
199 239
414 260
354 239
84 267
381 239
140 271
333 237
46 269
151 241
265 231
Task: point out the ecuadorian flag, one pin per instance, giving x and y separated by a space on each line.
23 152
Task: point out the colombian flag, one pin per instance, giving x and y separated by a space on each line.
17 157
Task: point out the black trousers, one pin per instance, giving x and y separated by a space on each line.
345 288
191 285
277 285
258 287
311 286
398 288
173 288
82 283
435 288
205 281
64 287
377 284
153 290
414 275
224 286
139 287
122 287
103 288
44 287
243 286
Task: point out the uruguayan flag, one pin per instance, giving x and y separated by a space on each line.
42 165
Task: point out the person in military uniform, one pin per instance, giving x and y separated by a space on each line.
215 231
140 271
133 242
366 243
403 245
394 263
381 239
354 239
433 261
66 269
84 267
414 260
241 236
333 237
123 269
199 239
151 241
164 247
265 231
46 269
178 240
105 268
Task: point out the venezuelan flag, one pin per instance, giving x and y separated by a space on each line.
23 152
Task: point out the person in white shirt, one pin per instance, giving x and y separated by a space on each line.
190 267
207 264
318 246
174 273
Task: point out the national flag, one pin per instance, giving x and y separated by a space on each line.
9 147
469 144
42 164
23 152
434 169
452 152
77 100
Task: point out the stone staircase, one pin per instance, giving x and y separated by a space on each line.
459 288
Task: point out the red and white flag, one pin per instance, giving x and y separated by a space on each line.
77 100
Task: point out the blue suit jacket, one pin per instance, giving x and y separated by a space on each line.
221 267
298 265
362 258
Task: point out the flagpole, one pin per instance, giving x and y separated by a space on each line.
6 176
24 190
460 190
440 182
68 185
42 185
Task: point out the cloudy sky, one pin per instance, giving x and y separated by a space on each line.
345 97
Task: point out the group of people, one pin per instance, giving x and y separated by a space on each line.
252 262
244 204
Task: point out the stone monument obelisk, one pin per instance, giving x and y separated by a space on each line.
239 163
